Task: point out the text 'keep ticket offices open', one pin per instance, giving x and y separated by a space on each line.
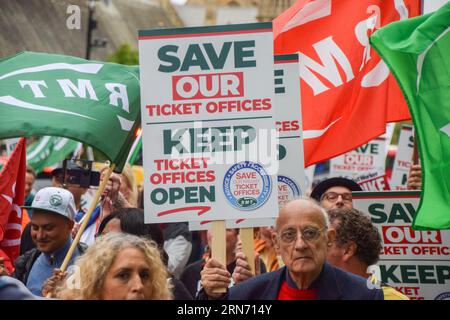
209 142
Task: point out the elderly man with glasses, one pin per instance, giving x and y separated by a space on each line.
335 193
302 239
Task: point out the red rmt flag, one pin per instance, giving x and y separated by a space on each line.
347 92
12 194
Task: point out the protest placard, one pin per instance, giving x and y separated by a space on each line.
390 127
309 173
207 120
403 159
233 224
373 182
417 263
288 115
291 176
365 165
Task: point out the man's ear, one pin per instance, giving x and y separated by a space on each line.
275 242
71 224
331 236
349 251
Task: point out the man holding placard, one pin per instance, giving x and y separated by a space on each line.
306 275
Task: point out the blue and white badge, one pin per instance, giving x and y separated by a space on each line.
443 296
247 185
288 190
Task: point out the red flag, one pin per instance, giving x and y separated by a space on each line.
348 94
12 195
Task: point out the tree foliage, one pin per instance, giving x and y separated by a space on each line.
126 54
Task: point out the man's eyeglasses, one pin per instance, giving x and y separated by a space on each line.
333 196
308 234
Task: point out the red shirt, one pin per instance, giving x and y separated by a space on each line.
288 293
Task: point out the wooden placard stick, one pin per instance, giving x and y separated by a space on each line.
87 217
246 235
218 245
85 220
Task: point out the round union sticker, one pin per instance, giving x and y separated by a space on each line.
247 185
443 296
287 190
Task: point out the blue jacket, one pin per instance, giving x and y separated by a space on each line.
13 289
332 284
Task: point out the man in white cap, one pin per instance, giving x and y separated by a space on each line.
51 226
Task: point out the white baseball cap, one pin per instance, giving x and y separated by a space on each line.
56 200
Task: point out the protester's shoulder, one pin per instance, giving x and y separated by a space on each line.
355 287
180 292
177 229
24 262
196 265
22 259
13 289
258 283
391 293
192 270
268 276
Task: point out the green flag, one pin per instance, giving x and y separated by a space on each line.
418 53
93 102
48 151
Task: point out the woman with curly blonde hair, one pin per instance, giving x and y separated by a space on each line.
118 267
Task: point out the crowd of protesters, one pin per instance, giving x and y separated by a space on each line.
319 248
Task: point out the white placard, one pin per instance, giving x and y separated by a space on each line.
366 165
309 173
233 224
291 177
209 141
288 115
417 263
403 159
432 5
390 127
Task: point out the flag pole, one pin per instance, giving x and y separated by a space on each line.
87 217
